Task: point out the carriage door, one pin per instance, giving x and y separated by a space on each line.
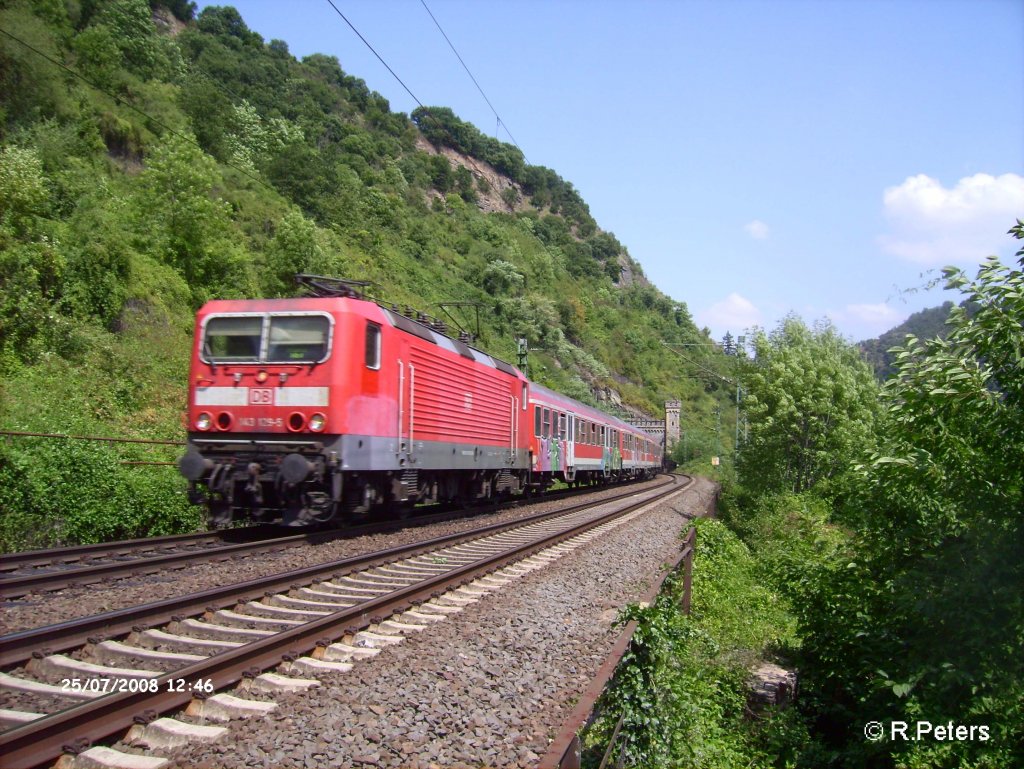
570 441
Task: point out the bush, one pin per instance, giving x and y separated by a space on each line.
681 687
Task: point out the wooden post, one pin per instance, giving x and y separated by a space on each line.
691 544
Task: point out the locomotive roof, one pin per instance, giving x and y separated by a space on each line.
369 309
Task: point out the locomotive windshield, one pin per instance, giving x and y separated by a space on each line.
286 338
297 338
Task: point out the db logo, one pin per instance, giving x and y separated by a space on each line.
259 397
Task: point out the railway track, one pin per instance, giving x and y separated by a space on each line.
59 568
136 664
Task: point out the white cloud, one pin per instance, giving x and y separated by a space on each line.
734 313
757 229
932 225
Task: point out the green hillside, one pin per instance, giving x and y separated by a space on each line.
925 324
151 161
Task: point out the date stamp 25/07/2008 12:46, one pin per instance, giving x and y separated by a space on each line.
117 685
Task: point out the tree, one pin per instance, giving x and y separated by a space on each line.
810 403
924 615
181 222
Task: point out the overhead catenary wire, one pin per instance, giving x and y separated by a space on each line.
471 77
374 52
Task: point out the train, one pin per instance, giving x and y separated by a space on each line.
330 406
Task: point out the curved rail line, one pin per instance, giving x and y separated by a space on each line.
364 589
59 568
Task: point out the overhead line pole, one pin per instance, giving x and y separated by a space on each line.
735 382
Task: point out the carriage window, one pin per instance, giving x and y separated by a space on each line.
536 421
547 424
233 339
298 338
372 346
561 426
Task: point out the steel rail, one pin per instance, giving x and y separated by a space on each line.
34 558
17 648
45 739
15 585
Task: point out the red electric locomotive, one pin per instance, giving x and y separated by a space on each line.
305 410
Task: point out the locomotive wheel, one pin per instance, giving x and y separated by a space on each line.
218 514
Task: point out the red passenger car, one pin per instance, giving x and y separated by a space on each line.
576 443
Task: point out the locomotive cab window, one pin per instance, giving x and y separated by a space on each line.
266 338
297 339
233 339
372 346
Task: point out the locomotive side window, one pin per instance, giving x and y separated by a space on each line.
297 338
233 339
372 346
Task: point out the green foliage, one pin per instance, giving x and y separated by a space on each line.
128 25
810 404
271 166
681 686
925 324
55 491
908 593
70 492
938 572
23 193
180 221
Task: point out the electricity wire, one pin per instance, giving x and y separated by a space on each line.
468 72
374 52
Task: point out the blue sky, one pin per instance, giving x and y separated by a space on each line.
824 157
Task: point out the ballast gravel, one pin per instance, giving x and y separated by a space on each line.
488 687
48 608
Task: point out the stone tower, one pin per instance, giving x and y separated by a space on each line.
672 423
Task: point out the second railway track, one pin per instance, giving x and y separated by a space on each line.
58 568
249 628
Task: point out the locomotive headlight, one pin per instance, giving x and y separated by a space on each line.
203 421
317 422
